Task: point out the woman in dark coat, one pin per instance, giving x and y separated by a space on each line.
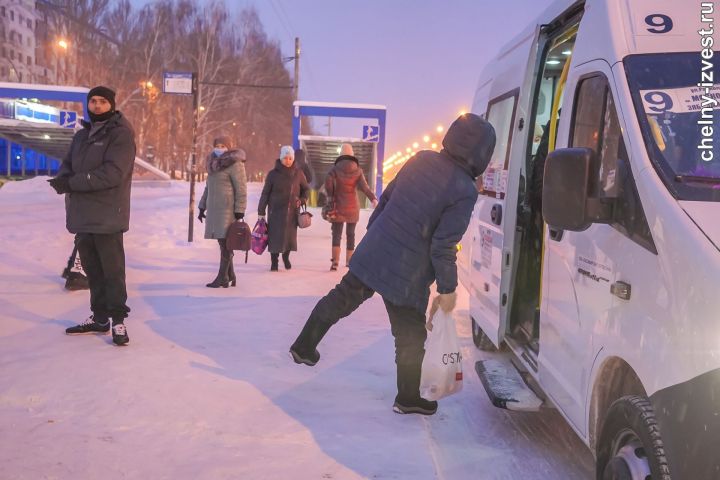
285 190
341 185
224 199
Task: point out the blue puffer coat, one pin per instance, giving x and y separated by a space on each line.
413 233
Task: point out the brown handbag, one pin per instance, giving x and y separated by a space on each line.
239 237
304 217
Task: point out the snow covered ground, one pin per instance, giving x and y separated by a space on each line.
206 389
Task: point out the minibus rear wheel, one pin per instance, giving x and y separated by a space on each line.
481 340
630 446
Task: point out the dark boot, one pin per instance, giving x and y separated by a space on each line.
286 260
335 258
408 399
274 262
304 350
231 273
221 280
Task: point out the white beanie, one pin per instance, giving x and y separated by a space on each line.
347 149
287 150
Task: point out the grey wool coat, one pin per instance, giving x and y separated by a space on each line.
225 191
284 186
100 170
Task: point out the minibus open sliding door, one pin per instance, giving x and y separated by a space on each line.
495 215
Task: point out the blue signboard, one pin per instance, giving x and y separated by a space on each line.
68 119
371 133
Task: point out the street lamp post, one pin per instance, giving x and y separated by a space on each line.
62 46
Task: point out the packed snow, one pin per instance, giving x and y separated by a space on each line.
206 388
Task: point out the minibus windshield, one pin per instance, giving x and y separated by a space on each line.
678 108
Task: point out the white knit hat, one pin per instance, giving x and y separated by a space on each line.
287 150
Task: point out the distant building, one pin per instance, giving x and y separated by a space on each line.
27 50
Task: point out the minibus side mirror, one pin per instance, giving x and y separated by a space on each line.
568 201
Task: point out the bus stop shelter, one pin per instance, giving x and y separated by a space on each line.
322 151
35 141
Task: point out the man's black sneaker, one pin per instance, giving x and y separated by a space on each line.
90 325
419 405
307 359
120 336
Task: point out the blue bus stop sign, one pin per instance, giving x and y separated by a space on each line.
68 119
371 133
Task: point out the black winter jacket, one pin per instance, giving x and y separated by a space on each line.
100 170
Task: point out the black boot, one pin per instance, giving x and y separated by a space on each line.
304 350
408 399
221 280
274 262
286 260
231 273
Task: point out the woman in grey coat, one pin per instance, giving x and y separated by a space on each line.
224 199
285 190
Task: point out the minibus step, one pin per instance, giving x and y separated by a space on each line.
505 386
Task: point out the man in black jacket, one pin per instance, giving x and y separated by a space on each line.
95 176
410 244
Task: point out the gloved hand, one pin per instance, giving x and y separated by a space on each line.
60 184
201 216
374 203
239 215
445 301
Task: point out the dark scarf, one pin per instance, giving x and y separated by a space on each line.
283 169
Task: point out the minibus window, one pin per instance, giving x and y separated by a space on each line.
501 114
596 126
680 120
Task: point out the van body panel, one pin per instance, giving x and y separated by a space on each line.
706 216
646 25
628 26
578 270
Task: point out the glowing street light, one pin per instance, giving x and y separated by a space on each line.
426 138
416 144
439 129
62 44
408 150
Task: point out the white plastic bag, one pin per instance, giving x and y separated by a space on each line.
442 365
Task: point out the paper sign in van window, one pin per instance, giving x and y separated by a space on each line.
680 100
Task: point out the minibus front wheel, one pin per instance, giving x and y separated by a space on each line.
630 446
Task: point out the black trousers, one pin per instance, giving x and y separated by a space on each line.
337 229
407 325
103 259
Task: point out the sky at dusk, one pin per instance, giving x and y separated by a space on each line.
421 59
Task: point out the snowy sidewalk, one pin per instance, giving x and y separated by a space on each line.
206 388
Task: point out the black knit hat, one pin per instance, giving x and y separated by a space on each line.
104 92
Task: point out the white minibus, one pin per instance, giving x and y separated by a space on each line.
593 255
